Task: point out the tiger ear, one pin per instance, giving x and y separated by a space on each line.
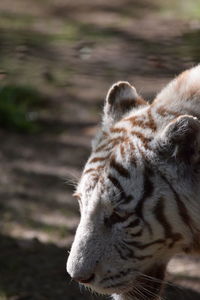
121 98
180 140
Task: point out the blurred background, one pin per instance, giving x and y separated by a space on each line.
57 60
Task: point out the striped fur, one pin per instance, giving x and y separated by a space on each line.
139 191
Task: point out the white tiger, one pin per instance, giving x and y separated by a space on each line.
139 192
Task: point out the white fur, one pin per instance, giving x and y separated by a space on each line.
94 248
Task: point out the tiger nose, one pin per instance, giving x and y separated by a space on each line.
84 280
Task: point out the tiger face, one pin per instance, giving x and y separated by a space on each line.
132 218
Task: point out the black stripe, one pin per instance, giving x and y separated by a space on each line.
133 223
115 218
116 183
161 218
123 196
139 233
116 276
129 253
147 192
143 246
181 206
123 283
119 168
142 257
120 253
128 198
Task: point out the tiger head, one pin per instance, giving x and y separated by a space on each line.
132 217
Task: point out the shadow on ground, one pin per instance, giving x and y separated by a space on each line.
180 293
36 271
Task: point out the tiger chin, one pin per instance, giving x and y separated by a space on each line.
148 286
138 194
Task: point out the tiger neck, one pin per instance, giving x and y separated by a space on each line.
188 205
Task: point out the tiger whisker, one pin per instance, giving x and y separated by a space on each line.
72 181
138 292
150 293
154 279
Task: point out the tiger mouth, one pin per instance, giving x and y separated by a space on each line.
144 286
116 288
149 285
139 289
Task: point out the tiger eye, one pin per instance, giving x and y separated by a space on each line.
115 218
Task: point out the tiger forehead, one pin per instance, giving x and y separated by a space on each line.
109 144
117 148
98 186
100 176
113 149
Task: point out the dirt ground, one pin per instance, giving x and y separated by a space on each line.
71 52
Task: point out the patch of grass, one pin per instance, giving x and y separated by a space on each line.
18 105
191 45
74 31
180 9
11 20
2 295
